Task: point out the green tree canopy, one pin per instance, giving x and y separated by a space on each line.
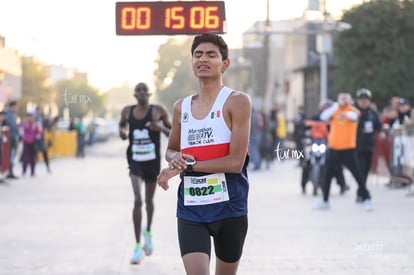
35 87
174 78
377 53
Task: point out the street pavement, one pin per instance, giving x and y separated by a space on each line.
78 220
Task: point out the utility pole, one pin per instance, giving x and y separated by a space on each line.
324 40
266 57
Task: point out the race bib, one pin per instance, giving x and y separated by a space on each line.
206 189
368 127
143 152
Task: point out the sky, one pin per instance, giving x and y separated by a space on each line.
81 34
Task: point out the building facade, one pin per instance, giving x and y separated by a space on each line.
10 74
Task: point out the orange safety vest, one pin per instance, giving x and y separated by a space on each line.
343 131
318 130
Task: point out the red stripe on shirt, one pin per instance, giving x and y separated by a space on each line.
208 152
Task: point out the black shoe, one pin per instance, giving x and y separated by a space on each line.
344 188
10 176
359 199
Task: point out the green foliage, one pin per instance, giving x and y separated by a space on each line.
119 97
79 98
377 53
35 88
174 78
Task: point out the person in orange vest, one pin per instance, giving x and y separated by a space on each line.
319 129
343 117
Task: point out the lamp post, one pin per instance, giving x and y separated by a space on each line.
324 47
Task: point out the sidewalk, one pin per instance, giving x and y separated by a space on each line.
78 220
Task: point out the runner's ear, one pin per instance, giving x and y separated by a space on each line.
226 64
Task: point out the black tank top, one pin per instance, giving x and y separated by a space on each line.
144 144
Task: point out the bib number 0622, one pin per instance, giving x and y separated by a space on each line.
201 191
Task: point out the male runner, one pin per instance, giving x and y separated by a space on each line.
208 146
145 121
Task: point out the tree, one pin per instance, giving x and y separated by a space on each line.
79 98
174 78
119 97
35 86
377 53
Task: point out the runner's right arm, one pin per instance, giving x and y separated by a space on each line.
327 113
123 122
173 154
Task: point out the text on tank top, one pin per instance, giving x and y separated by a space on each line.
208 138
142 143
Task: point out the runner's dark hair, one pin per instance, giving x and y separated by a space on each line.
211 38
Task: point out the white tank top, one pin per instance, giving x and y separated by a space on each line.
208 138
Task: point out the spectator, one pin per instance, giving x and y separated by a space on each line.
404 111
41 143
281 130
31 131
11 121
91 129
319 130
268 141
299 130
72 124
342 148
395 102
389 116
368 125
80 128
2 122
256 132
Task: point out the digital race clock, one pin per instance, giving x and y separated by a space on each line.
170 18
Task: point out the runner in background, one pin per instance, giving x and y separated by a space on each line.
146 121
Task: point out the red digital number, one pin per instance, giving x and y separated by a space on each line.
170 17
203 17
174 18
139 18
212 20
